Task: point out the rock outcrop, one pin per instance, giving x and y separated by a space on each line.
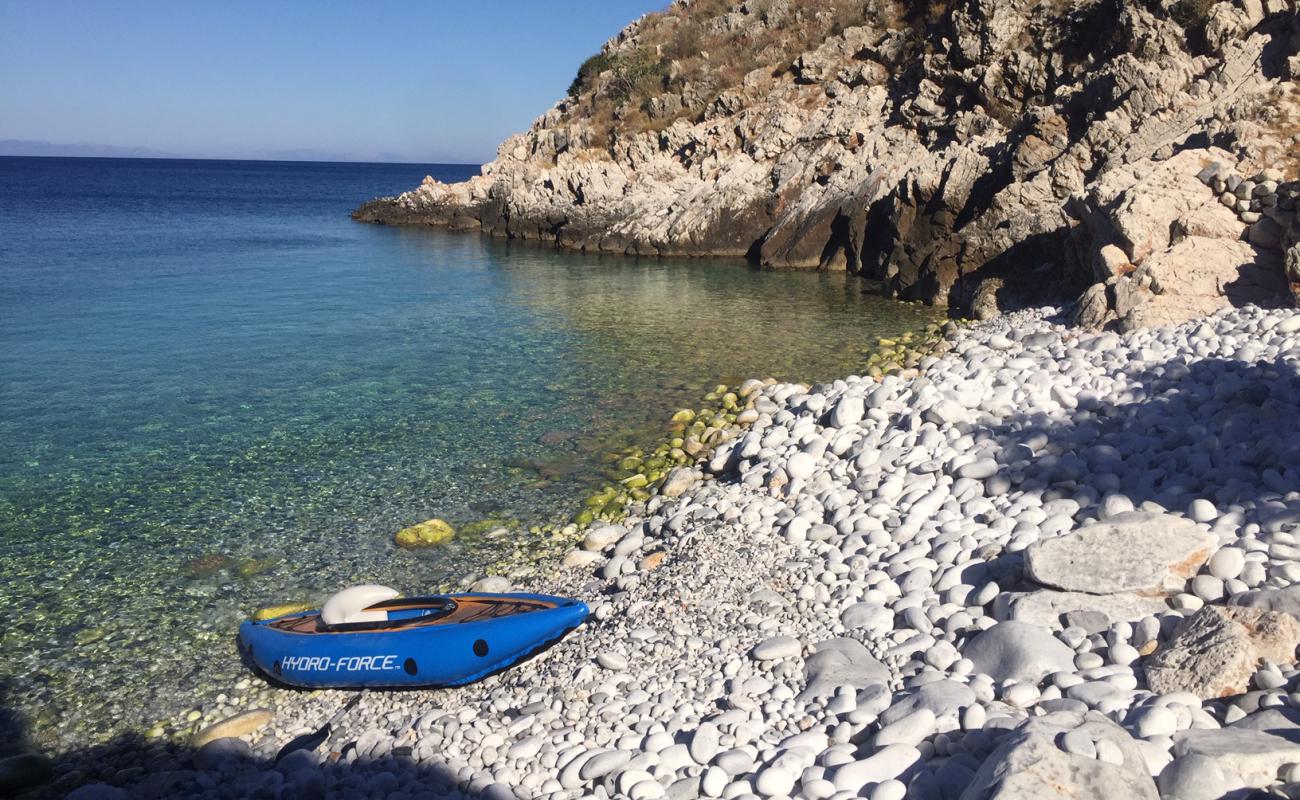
1064 755
1215 652
1056 146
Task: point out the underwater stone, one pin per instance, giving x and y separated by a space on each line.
430 533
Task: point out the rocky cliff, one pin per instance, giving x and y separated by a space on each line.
1139 155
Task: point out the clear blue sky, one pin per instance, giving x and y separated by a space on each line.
422 80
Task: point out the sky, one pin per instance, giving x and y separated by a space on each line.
381 80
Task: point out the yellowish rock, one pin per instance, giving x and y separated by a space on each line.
653 561
271 612
430 533
238 725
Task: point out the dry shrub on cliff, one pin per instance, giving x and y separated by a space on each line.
678 61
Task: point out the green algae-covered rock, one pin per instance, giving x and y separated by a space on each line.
629 464
635 481
488 525
430 533
250 567
206 564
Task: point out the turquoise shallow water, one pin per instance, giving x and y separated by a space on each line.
218 392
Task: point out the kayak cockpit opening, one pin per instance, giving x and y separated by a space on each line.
410 612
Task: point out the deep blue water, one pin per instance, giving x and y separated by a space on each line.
219 392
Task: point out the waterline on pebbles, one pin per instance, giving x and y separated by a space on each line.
868 538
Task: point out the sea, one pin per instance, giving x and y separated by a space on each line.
218 392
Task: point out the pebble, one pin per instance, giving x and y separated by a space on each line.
705 743
1227 563
892 789
774 782
1202 510
1155 721
911 729
1192 777
611 660
601 536
777 647
1018 651
886 763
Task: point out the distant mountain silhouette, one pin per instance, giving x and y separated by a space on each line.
29 147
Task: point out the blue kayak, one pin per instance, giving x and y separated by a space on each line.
440 640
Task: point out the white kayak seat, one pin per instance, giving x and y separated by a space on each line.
351 604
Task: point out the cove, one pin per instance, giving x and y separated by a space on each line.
217 392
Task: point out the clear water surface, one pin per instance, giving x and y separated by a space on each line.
218 392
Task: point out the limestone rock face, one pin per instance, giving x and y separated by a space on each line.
1031 763
1293 270
1137 551
1198 276
997 141
1215 651
1180 238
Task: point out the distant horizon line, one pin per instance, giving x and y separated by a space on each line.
42 148
254 160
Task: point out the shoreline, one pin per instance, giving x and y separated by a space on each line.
212 507
881 569
558 544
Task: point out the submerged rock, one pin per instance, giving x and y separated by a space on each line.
430 533
207 564
493 584
238 725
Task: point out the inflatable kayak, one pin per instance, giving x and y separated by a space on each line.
368 637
